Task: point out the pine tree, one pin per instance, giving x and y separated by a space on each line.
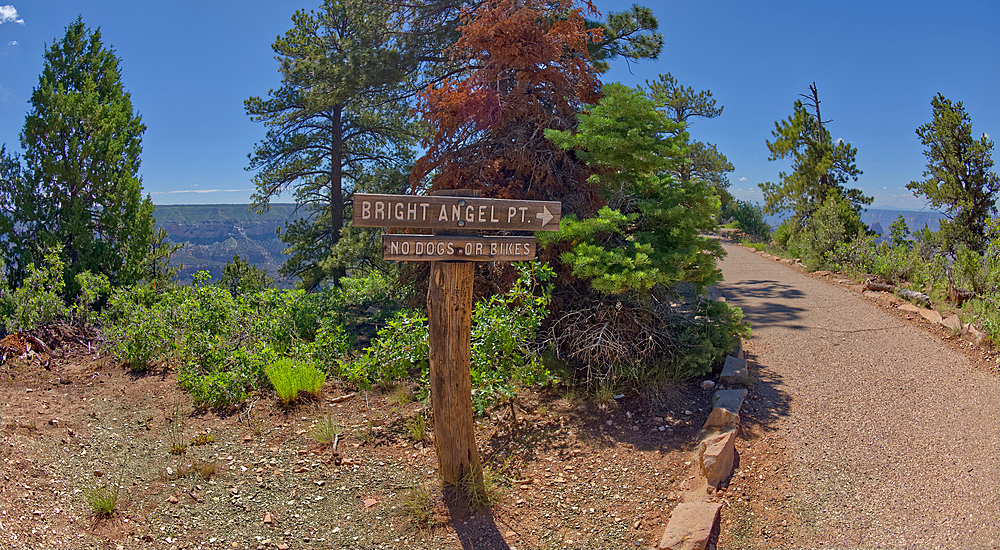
338 123
79 186
820 166
958 176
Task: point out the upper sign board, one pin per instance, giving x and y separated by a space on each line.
465 213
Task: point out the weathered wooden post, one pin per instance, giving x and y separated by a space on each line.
453 251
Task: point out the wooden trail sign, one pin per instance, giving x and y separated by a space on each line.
436 248
452 250
455 213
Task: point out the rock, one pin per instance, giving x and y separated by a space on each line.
717 453
907 306
734 372
726 409
738 353
690 526
952 323
707 384
172 499
972 334
268 520
931 315
282 546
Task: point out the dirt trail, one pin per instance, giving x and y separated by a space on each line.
890 439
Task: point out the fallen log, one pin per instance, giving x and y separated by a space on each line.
915 296
877 287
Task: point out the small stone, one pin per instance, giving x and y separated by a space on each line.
734 371
172 499
609 422
707 384
268 519
717 454
282 546
369 502
972 334
170 471
690 526
726 409
952 323
98 473
687 412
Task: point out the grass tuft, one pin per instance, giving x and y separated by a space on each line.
103 500
417 502
325 430
289 377
417 427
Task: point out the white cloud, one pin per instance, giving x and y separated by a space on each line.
838 141
985 135
8 14
200 191
743 179
13 43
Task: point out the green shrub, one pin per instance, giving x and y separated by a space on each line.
749 218
38 300
239 277
504 328
835 222
289 377
401 347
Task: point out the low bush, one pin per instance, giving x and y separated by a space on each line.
289 377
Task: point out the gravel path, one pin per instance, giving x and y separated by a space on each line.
894 439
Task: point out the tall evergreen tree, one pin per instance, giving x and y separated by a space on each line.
703 160
79 186
821 167
959 176
337 121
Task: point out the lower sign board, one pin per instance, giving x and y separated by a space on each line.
440 248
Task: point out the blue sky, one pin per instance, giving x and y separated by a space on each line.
877 64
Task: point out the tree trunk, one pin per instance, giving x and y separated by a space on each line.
337 174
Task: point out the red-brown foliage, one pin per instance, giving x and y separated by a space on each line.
528 70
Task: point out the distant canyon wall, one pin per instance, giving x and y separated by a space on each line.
213 233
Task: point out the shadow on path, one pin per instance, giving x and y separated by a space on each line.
764 302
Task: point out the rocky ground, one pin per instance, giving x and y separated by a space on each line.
573 473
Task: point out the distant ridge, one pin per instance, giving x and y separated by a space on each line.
213 233
915 219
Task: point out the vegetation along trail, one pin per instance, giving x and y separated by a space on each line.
891 437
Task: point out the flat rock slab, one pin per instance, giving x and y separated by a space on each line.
738 353
718 452
972 334
910 307
690 526
952 323
931 315
734 372
726 409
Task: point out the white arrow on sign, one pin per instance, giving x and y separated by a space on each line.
544 215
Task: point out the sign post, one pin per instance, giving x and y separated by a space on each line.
452 251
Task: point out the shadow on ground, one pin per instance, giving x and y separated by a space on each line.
476 530
768 307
